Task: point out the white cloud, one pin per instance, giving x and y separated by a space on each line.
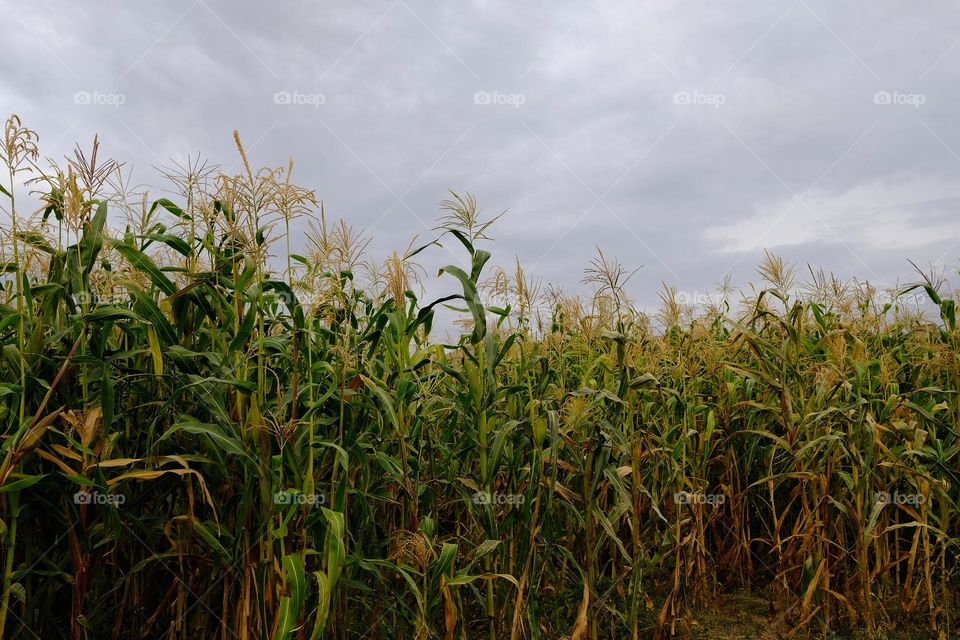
888 214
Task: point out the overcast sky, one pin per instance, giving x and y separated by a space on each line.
681 135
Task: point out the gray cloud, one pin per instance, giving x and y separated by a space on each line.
684 136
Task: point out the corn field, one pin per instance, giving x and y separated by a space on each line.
209 435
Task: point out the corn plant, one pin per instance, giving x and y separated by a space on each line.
223 418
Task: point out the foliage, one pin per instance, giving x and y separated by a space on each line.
198 443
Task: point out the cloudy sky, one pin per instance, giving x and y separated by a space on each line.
684 136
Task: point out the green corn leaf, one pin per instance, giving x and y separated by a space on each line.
286 619
222 441
144 263
472 299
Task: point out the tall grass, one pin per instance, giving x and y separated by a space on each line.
206 439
